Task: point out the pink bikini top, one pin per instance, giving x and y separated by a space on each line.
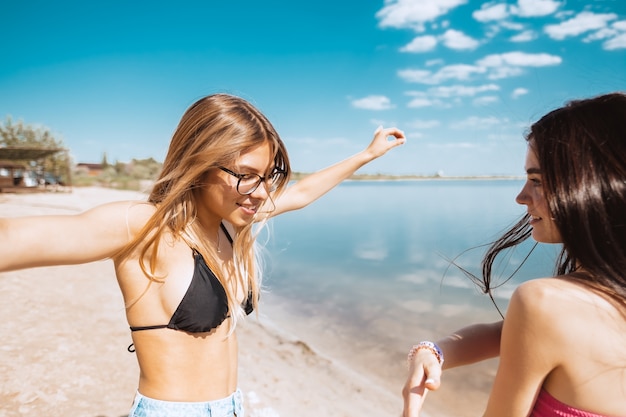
548 406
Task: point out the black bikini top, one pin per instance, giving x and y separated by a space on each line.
205 304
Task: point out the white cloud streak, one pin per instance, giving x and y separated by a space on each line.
414 14
451 38
525 36
490 12
518 92
479 123
535 8
485 100
618 42
462 90
457 40
373 102
421 44
494 66
424 124
519 59
581 23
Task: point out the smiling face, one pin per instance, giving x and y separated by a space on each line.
532 196
219 200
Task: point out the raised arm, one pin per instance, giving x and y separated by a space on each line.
35 241
313 186
468 345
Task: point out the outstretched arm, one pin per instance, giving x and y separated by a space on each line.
468 345
313 186
35 241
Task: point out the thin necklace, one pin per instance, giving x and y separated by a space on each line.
218 241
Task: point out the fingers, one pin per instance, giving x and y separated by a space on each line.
432 370
381 142
424 375
414 395
390 131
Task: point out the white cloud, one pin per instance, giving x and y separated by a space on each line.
449 96
433 62
417 76
600 34
511 64
462 90
414 135
451 38
512 25
618 42
462 145
519 59
373 103
615 36
495 66
420 44
533 8
455 39
500 73
420 102
491 11
422 99
485 100
525 36
478 123
378 122
424 124
581 23
518 92
450 72
414 13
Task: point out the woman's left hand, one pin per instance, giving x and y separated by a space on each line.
424 375
385 139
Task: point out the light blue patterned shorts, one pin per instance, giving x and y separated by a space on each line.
231 406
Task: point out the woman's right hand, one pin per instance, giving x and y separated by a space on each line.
468 345
424 375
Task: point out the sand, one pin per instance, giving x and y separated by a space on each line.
64 338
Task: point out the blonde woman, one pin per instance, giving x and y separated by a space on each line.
185 259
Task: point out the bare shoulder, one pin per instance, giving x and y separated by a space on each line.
544 301
551 302
550 290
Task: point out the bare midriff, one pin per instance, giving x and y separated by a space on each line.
180 366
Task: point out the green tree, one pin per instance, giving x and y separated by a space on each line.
19 134
105 163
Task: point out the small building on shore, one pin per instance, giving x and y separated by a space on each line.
16 175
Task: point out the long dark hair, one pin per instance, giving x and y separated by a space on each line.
581 149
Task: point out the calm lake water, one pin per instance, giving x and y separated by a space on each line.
364 272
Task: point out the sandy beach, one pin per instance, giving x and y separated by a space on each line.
64 338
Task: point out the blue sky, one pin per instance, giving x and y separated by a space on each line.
463 78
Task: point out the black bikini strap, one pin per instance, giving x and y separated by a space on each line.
230 239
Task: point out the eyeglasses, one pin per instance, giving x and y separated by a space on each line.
247 183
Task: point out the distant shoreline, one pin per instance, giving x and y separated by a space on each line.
383 177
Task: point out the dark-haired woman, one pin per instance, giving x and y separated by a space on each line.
562 343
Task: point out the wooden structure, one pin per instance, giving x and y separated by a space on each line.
9 174
14 172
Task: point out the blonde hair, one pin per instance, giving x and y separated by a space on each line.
213 132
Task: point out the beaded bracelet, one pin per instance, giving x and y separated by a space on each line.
432 347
